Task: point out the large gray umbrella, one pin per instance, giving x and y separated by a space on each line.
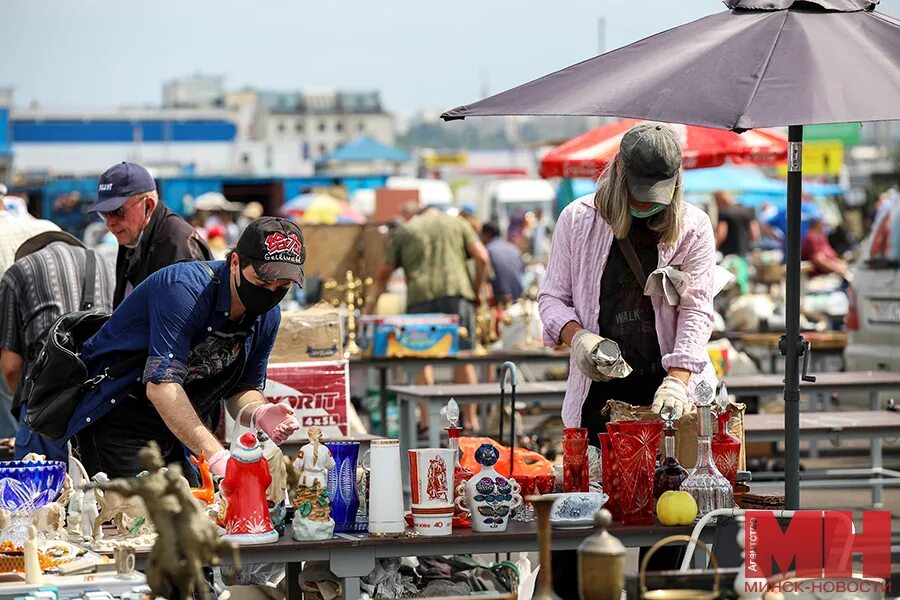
763 63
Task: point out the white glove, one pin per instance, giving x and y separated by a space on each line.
673 392
597 357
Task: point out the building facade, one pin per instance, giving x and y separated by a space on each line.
323 121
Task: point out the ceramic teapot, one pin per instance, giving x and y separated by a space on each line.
488 496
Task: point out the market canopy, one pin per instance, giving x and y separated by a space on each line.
762 63
701 147
366 150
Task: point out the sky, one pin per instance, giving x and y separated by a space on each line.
421 54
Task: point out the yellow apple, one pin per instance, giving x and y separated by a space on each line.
676 508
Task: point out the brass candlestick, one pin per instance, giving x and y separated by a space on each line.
542 505
351 294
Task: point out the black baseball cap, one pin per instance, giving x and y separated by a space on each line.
651 153
275 248
119 183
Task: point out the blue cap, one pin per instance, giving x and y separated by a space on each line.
119 183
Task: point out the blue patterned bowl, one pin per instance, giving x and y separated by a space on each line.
30 485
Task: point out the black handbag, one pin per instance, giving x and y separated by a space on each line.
57 380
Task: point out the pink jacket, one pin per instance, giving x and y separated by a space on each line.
571 292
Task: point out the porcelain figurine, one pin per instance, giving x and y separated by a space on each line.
206 493
34 575
276 493
113 508
247 478
312 517
489 497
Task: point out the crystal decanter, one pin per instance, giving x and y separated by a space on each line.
706 484
726 448
460 473
669 475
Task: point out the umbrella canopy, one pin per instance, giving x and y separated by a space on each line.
701 147
820 61
321 209
763 63
212 201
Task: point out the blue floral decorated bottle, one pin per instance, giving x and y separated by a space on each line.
489 497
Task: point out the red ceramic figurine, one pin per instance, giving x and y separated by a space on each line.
243 490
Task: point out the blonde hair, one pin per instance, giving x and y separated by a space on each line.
612 198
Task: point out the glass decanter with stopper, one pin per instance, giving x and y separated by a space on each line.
460 474
669 475
706 484
726 448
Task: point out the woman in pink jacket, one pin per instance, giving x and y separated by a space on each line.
636 226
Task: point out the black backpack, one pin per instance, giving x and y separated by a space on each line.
57 379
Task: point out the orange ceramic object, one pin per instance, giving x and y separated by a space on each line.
527 462
206 493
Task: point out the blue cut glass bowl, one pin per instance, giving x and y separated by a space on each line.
28 486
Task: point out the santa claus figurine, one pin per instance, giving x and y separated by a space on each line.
243 491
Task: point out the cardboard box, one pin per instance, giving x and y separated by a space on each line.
319 393
308 335
398 336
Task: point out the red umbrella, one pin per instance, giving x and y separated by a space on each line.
701 147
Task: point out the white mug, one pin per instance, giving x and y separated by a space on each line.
385 488
432 521
431 477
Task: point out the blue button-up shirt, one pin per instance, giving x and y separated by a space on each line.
167 315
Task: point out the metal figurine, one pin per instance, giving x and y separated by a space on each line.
187 539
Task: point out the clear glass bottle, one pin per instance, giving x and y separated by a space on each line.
706 484
669 474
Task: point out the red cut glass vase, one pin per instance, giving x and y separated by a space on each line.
579 433
726 448
610 473
635 444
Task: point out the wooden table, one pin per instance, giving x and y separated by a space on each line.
414 364
828 343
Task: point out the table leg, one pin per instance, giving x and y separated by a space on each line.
350 564
292 574
433 418
875 448
382 394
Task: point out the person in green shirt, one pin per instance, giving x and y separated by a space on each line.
432 249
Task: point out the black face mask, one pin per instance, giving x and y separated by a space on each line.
258 300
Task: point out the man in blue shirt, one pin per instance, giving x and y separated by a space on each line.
206 330
507 264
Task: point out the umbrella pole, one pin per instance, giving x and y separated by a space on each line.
791 344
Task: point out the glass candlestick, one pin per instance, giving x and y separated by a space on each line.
669 475
706 484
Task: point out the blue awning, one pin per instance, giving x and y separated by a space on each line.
365 149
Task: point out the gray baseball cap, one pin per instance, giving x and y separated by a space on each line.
651 153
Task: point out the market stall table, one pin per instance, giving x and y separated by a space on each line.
873 425
824 345
382 364
352 556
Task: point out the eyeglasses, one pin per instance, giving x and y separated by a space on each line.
120 212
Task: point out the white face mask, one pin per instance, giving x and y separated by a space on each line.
136 241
